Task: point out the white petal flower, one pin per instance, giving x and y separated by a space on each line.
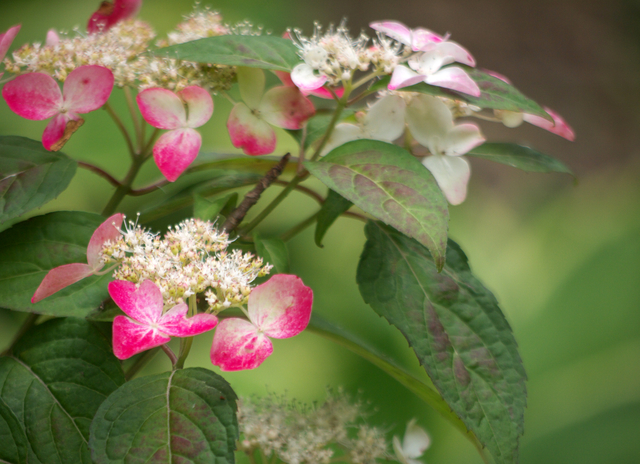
414 444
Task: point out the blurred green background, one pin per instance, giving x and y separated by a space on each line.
563 260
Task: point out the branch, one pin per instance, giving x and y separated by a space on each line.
149 189
112 180
316 196
253 196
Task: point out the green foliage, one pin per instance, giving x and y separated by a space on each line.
454 325
264 51
187 415
30 176
274 251
520 157
54 380
388 182
334 205
12 437
32 248
209 210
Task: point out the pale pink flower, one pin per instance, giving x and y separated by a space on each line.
175 150
146 325
109 14
559 126
37 96
279 308
53 38
414 443
320 92
6 38
431 123
433 52
250 121
67 274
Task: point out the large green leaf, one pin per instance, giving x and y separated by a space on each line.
387 182
455 327
188 415
334 205
422 389
520 157
209 210
14 441
54 380
31 248
264 51
30 176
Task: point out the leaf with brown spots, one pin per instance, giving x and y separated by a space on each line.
188 415
456 329
387 182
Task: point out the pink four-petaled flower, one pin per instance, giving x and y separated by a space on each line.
67 274
175 150
37 96
146 325
279 308
434 52
250 121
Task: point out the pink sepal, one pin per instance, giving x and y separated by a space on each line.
497 75
162 108
199 104
109 14
454 78
53 38
175 323
175 151
143 304
559 126
249 132
6 38
238 345
395 30
286 107
404 77
59 278
34 96
87 88
109 230
281 307
55 129
321 92
130 338
305 78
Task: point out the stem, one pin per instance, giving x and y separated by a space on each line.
118 121
140 363
332 124
271 206
253 196
29 322
134 116
112 180
149 189
316 196
125 187
147 148
299 228
169 352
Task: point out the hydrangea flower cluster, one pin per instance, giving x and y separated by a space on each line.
296 433
191 258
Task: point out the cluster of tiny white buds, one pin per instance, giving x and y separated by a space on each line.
297 433
200 23
385 53
192 258
245 28
333 53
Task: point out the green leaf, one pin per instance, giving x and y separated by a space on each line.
55 379
387 182
264 51
30 249
317 126
455 327
30 176
423 390
188 415
273 251
495 93
520 157
14 441
334 205
209 210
